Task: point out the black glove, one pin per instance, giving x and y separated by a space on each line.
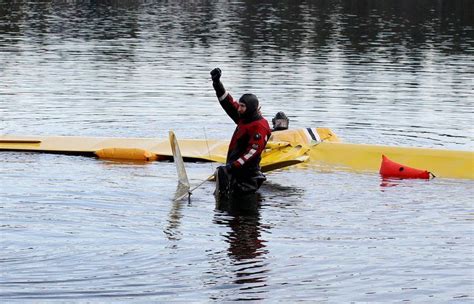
216 75
229 168
216 83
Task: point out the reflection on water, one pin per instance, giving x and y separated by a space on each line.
244 238
249 264
246 246
388 72
85 229
174 220
284 27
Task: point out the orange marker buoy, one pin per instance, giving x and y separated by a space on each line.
390 168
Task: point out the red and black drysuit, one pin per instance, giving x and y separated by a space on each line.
247 143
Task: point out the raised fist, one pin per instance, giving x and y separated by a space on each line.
216 74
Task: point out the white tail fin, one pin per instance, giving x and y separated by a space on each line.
183 182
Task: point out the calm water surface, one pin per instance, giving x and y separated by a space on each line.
384 72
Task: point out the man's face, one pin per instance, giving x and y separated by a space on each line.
242 108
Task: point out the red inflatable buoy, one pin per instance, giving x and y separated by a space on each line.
390 168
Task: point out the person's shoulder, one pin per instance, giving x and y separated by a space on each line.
260 123
264 123
263 119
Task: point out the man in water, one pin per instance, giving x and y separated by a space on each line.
280 122
241 175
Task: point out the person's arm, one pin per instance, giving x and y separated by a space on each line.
228 103
255 147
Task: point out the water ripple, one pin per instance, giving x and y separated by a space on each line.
83 229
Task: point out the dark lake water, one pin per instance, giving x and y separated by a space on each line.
75 229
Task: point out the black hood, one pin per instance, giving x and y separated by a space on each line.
251 113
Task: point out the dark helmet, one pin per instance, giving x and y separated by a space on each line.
251 101
280 121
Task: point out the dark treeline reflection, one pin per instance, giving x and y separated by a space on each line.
257 27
